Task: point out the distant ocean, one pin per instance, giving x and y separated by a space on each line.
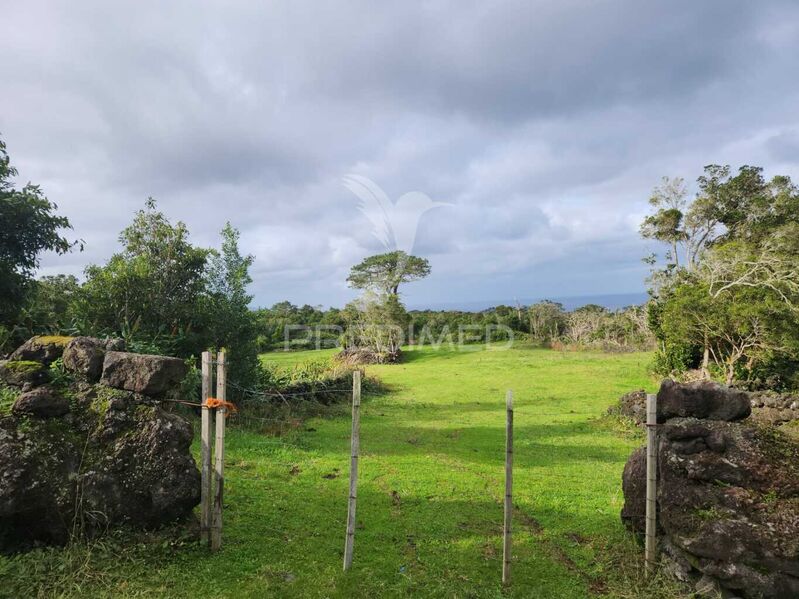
610 301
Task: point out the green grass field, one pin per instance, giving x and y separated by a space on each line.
430 494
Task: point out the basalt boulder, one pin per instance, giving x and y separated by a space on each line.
42 348
703 399
727 500
19 373
633 513
41 402
631 405
142 373
112 459
775 408
84 356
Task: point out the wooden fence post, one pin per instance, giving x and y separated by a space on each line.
354 453
219 452
506 535
651 482
205 450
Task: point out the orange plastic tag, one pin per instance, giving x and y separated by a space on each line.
213 402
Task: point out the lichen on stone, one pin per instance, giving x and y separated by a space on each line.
103 396
728 493
23 366
18 372
112 460
791 430
60 340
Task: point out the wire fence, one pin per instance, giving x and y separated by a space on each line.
280 422
277 394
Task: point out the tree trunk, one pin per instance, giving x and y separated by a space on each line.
730 372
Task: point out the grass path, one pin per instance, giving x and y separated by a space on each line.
431 485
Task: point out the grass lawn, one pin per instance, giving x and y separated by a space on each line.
430 494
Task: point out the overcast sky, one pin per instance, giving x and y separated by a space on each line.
545 125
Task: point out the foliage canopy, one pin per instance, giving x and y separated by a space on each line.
386 272
730 305
30 226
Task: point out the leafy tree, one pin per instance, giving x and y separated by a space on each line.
48 309
772 265
385 272
30 227
377 321
735 334
621 329
585 323
151 291
735 304
666 224
506 316
231 324
547 320
744 207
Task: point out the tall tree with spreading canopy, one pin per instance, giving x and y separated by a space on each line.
384 273
377 321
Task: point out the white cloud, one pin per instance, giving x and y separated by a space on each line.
545 124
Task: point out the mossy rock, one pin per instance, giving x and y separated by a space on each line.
24 367
41 402
111 460
791 430
727 495
60 340
19 372
42 348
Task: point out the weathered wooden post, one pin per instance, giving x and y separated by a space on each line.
219 452
205 449
651 483
506 533
355 448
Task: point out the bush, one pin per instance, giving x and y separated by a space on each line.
777 372
676 359
190 387
59 375
7 398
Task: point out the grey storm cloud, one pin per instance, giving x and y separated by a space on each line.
544 124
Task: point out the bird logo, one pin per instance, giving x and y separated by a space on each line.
394 224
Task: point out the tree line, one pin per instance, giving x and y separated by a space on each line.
724 295
378 323
546 323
